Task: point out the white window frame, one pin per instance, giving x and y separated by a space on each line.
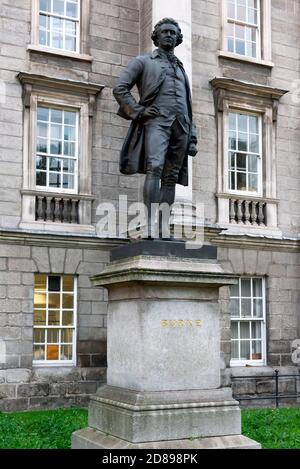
76 158
66 94
246 24
264 44
82 52
263 360
259 192
77 22
47 363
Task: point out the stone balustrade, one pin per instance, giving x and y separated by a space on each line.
247 212
63 208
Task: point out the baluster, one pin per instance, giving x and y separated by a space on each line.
49 212
261 216
39 208
253 213
239 212
57 214
232 211
247 212
65 211
74 211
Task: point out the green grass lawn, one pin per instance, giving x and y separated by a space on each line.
52 429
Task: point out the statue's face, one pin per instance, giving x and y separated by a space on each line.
167 36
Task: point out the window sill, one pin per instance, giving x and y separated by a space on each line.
60 53
60 364
243 58
57 227
247 363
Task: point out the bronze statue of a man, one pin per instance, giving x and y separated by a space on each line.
162 133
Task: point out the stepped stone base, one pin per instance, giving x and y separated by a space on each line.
89 438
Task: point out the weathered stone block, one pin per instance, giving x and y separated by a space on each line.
34 389
41 257
18 376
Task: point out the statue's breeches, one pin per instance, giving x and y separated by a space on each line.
165 149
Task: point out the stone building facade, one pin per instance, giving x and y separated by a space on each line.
60 139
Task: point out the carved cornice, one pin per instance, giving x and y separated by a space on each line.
224 87
32 82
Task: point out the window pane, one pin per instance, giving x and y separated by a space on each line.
53 318
257 287
43 38
70 118
252 16
235 290
246 308
253 183
68 165
240 47
39 336
41 145
235 350
45 5
239 32
54 300
231 10
54 283
69 133
68 182
59 7
241 13
40 300
256 330
52 352
52 336
55 147
242 142
256 350
67 318
40 282
230 45
241 182
66 352
245 350
232 141
68 301
68 283
241 162
39 352
69 149
39 318
243 122
70 43
54 180
42 114
258 308
234 330
235 308
56 116
252 163
42 129
232 184
41 179
232 121
245 330
67 336
254 143
246 287
56 132
55 164
72 9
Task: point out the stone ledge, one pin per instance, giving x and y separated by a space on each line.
88 438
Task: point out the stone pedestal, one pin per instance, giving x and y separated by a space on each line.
163 353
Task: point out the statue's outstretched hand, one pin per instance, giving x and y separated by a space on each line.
151 111
193 150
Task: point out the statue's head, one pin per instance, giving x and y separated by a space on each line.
157 35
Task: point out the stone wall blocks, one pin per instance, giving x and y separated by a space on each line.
73 259
57 260
18 376
41 257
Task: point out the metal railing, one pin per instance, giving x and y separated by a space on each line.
276 395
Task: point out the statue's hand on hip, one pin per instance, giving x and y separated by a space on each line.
151 111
